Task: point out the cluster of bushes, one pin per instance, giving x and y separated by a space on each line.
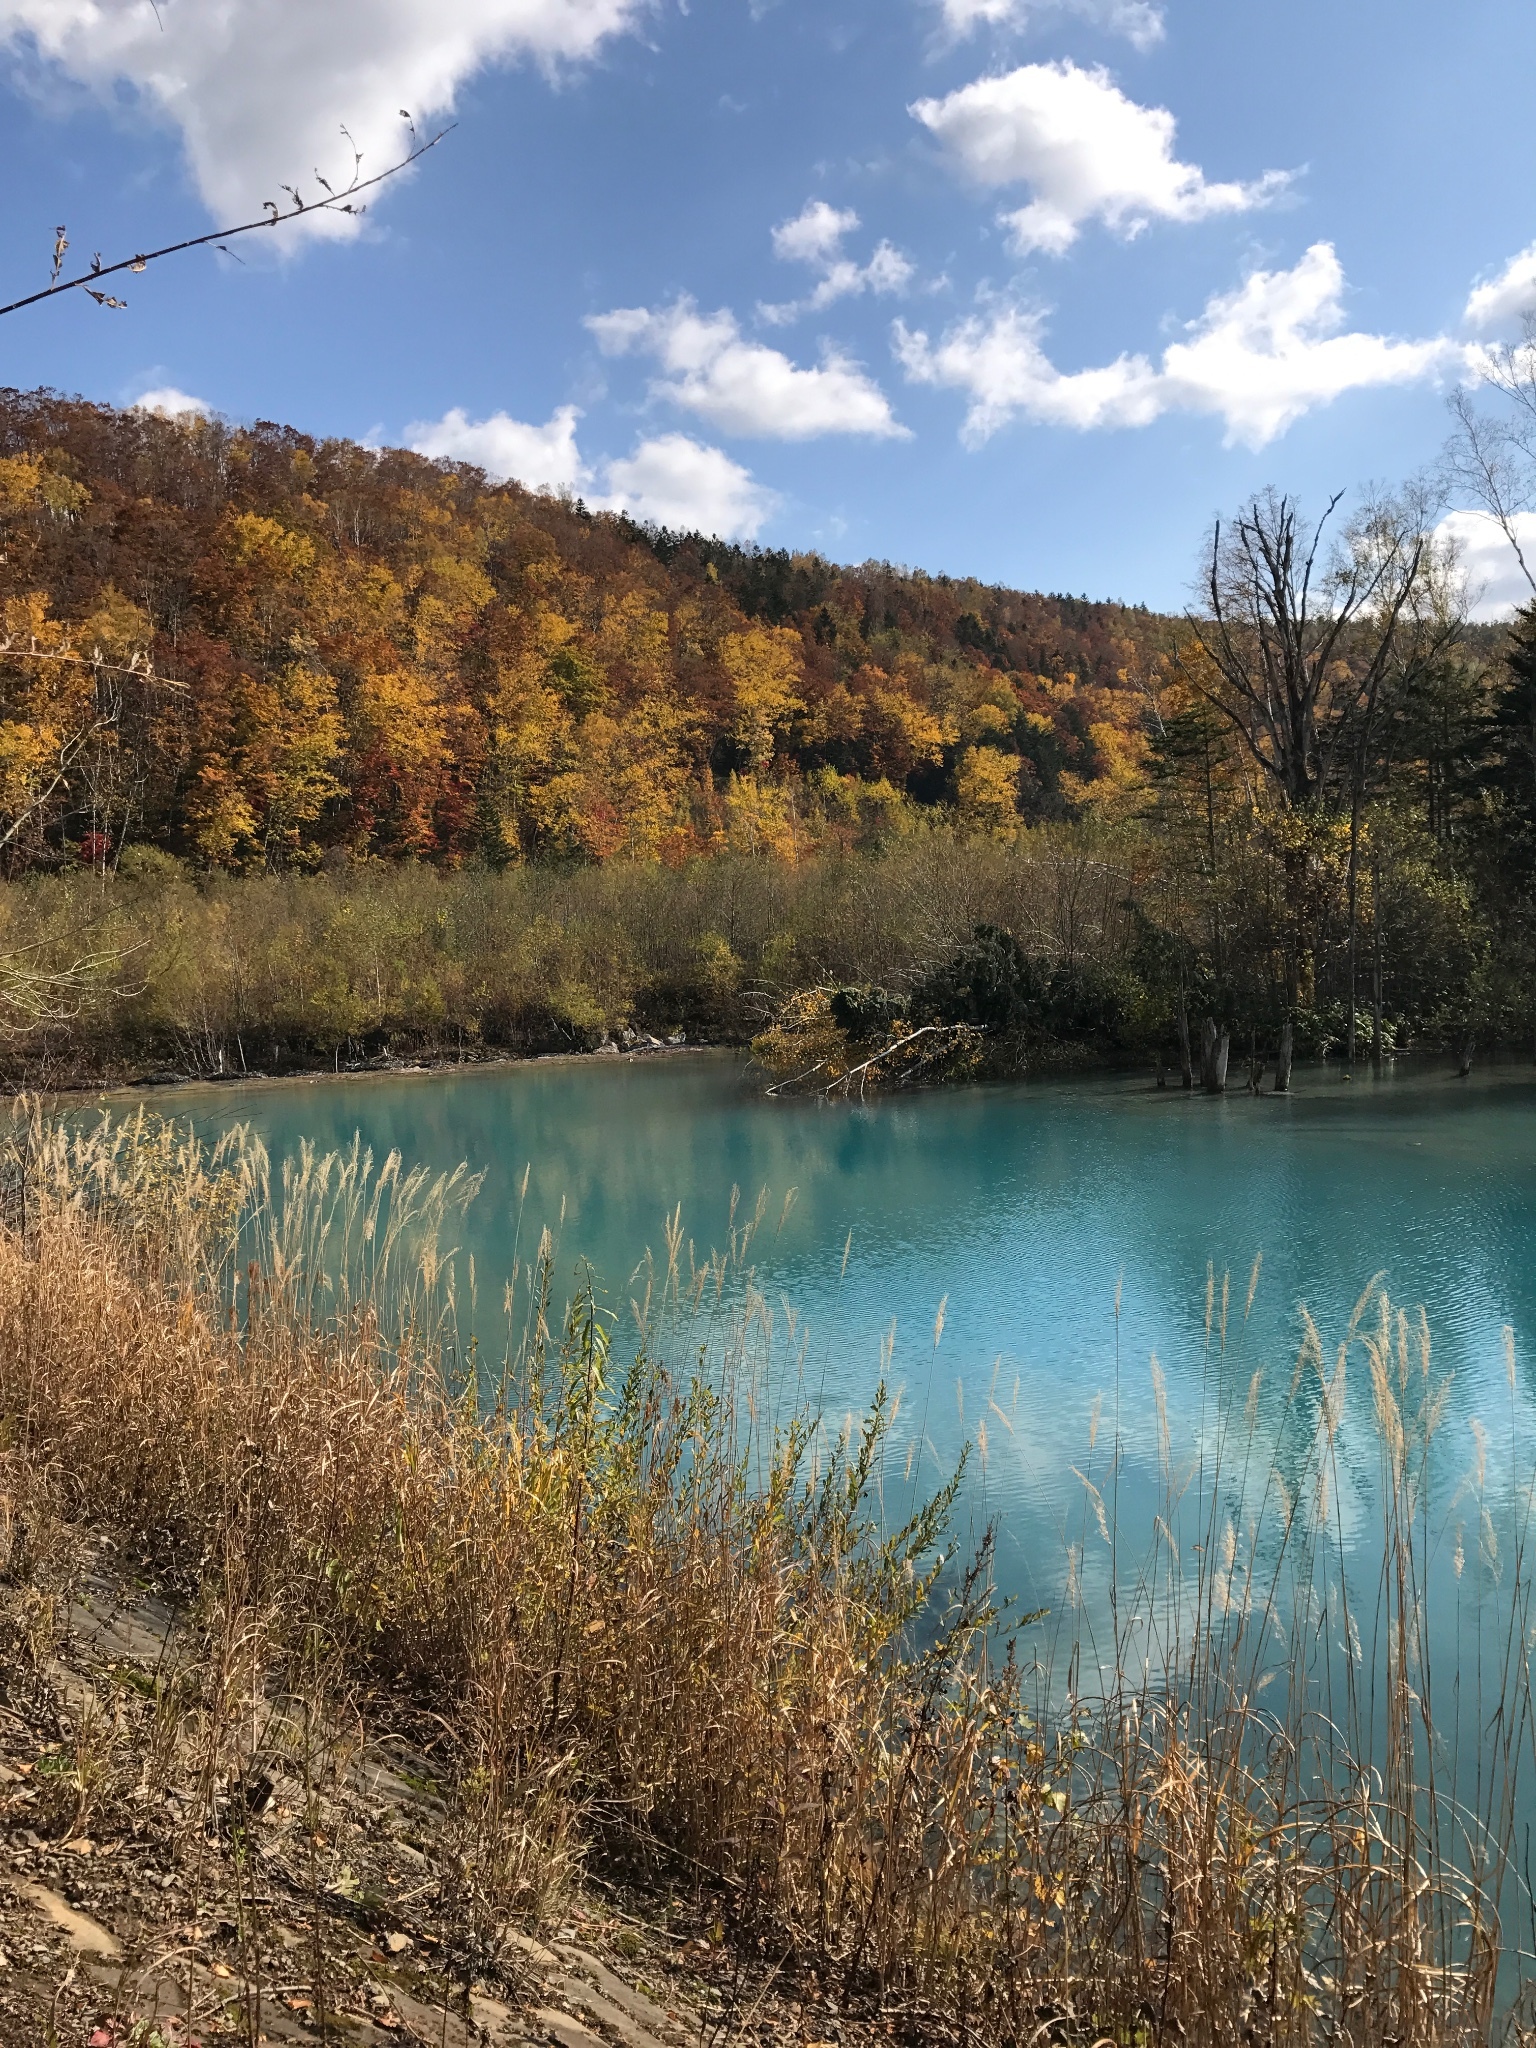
1043 945
990 1005
1027 998
208 973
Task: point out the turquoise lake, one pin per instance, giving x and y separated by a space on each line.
1022 1210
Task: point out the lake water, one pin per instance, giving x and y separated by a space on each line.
1024 1211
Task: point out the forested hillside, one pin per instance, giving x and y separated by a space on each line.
562 774
252 648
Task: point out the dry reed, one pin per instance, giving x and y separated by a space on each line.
1206 1802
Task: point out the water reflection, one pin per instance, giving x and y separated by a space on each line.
1027 1212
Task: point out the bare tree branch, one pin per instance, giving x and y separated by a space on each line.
59 771
1493 457
139 666
32 993
1479 458
273 216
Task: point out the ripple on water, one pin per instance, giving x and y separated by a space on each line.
1021 1208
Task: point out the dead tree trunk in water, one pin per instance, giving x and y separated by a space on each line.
1186 1066
1283 1061
1215 1048
1378 1049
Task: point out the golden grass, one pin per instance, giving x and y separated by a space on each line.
1212 1806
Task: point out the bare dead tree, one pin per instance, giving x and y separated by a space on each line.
334 200
1484 457
1305 632
1491 456
1296 642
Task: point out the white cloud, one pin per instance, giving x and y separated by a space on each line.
742 386
673 480
1494 576
258 87
1085 151
1263 355
1505 297
1139 21
172 404
1257 358
815 236
678 482
544 458
999 364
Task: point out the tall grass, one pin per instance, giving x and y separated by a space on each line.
1210 1798
211 974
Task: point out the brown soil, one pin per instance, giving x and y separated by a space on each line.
168 1914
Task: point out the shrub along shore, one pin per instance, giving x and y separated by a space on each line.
207 974
631 1619
1032 952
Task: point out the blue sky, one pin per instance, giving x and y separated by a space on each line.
1051 285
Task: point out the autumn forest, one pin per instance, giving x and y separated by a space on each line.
344 751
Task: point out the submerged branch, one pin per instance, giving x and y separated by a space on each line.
953 1037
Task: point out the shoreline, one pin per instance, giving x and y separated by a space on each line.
1504 1066
164 1081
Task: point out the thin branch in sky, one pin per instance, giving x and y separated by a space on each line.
272 216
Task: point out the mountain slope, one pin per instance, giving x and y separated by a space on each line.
252 648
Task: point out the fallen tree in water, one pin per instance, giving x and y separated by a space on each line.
967 1015
810 1029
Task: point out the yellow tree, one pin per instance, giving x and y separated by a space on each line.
398 742
545 683
259 797
268 569
987 784
766 669
61 691
761 818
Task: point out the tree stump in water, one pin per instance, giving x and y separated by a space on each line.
1283 1061
1214 1049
